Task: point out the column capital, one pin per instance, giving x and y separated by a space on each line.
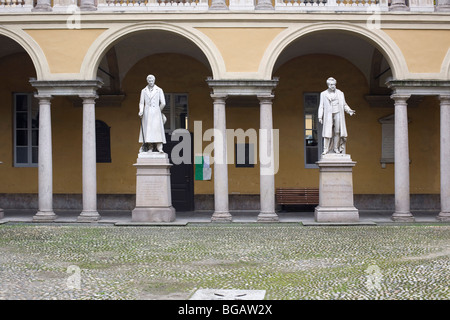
43 97
400 97
265 98
444 98
221 97
88 98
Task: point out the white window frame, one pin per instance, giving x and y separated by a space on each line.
29 130
170 103
319 130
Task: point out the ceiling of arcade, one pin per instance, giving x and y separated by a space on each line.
9 46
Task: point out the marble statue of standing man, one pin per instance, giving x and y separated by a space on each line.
331 114
151 104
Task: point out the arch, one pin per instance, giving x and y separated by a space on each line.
31 48
445 68
114 35
376 37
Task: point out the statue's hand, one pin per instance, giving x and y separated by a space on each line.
320 121
140 114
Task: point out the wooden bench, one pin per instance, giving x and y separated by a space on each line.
297 196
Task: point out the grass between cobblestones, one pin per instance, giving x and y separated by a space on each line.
289 261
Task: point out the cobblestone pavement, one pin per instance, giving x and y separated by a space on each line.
289 261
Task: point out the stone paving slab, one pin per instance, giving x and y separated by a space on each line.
328 224
149 224
228 294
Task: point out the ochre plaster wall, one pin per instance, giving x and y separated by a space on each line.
242 48
16 70
65 49
424 50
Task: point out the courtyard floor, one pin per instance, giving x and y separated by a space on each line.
290 261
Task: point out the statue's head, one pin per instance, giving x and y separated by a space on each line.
331 83
151 79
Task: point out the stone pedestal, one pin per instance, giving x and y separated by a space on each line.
336 189
153 192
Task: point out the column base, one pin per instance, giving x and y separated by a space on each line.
42 8
445 7
166 214
221 217
88 8
268 217
402 217
89 216
44 216
265 6
338 214
443 216
399 8
219 6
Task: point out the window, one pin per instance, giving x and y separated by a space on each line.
176 111
26 130
313 134
102 142
244 155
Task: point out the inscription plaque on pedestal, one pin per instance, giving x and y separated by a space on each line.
336 189
153 192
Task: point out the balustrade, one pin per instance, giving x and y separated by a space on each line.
233 5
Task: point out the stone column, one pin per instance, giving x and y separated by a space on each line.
221 211
401 166
266 162
42 6
443 5
45 166
444 215
218 5
89 164
399 5
88 5
264 5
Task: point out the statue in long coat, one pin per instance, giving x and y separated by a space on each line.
151 104
331 114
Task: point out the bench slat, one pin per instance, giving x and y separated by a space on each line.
297 196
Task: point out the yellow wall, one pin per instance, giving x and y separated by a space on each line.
242 48
16 70
424 50
65 49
